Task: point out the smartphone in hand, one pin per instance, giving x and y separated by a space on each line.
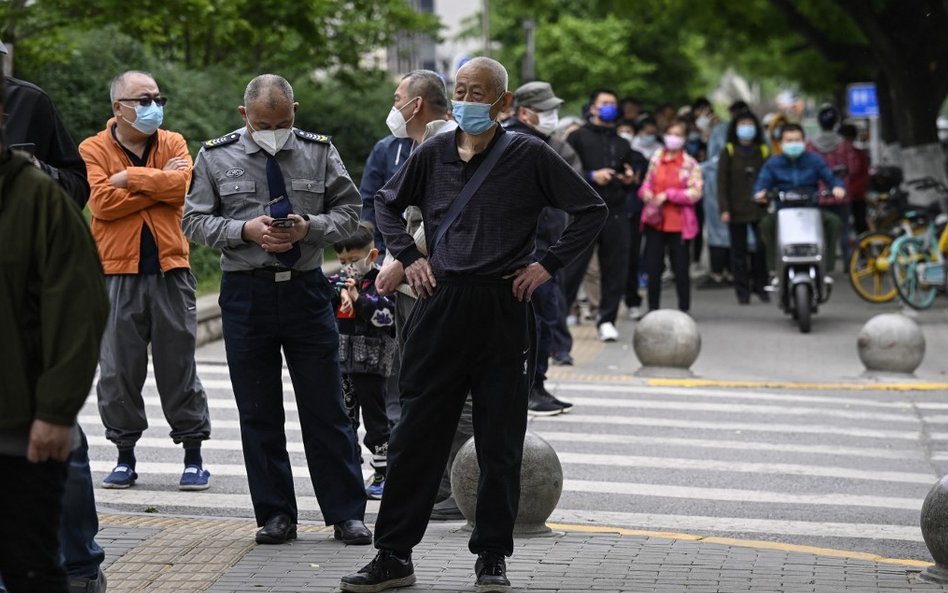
282 223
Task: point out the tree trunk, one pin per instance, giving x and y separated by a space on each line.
907 41
916 107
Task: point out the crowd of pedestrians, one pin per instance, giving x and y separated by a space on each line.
431 247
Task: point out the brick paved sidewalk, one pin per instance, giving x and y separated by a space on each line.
159 554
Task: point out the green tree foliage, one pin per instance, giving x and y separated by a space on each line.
243 35
635 48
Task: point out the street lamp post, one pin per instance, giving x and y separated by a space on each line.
528 69
485 26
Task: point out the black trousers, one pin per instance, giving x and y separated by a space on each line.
30 512
746 281
366 393
657 243
260 319
613 244
632 296
548 302
471 335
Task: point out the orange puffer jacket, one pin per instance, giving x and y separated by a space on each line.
154 197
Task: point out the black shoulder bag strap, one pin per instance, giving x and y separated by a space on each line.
457 206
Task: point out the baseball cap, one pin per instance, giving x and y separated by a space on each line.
537 95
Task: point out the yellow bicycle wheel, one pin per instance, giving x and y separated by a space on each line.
869 268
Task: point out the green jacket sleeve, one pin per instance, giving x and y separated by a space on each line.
73 309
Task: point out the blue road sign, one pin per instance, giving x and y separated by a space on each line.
861 100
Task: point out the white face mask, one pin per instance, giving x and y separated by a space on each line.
358 269
271 141
627 137
548 121
703 122
396 121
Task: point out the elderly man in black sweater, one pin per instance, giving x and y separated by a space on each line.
473 326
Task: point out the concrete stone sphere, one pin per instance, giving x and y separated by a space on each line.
541 484
934 524
891 343
667 338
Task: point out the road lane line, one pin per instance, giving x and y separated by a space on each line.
626 439
741 495
765 468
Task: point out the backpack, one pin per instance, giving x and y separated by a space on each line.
764 150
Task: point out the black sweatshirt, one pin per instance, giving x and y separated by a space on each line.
32 118
496 232
601 147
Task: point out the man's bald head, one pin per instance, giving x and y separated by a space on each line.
270 89
119 85
492 69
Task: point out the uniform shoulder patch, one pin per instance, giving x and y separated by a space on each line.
222 141
311 137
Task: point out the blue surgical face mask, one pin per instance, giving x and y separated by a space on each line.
148 119
793 149
746 132
609 113
473 118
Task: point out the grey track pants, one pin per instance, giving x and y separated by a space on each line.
156 309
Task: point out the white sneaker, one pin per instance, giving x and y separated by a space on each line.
608 332
635 313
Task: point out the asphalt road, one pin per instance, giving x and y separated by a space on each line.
844 469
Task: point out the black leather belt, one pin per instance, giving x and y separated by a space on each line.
275 274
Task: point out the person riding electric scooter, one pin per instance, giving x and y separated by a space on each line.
802 250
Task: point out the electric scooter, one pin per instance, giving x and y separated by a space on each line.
801 283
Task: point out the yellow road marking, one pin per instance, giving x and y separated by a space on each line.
743 543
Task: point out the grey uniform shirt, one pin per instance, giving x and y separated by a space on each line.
229 187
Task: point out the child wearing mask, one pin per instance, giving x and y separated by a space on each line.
366 322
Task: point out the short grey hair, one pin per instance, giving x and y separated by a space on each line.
429 86
266 86
498 73
118 83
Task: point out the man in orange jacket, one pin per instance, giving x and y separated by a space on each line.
139 175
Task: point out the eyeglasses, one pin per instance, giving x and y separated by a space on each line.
146 101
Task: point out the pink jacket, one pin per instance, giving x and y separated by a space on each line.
684 196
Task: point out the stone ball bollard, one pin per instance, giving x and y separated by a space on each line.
891 343
541 483
667 343
934 523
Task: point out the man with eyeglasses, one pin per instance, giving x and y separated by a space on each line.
139 175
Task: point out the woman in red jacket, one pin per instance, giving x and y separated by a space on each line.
672 186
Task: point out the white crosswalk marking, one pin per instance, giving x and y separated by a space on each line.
705 460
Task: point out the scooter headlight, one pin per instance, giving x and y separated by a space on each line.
802 250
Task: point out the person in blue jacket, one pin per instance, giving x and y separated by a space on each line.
386 157
797 169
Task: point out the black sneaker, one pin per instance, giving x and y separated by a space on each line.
491 572
386 571
565 405
541 403
555 400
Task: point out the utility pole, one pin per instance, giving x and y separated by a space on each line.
528 68
485 25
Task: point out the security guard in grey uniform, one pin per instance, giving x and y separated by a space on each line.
271 197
